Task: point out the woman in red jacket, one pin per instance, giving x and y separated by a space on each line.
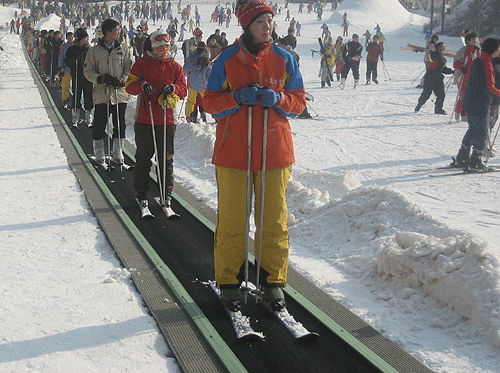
253 74
159 82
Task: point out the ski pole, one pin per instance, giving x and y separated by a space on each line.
490 145
383 71
75 123
310 107
248 193
418 76
262 194
108 138
158 175
119 129
180 110
385 68
164 152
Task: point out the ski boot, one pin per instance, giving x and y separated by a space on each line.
203 115
328 82
375 80
231 298
476 163
355 84
117 153
273 298
462 158
338 77
75 118
88 118
342 83
367 82
323 84
439 111
98 146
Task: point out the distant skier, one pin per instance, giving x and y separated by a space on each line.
327 62
481 92
345 28
375 50
368 37
339 60
351 55
433 80
325 31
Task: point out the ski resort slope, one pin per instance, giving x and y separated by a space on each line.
389 14
415 256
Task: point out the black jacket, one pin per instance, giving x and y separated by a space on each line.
75 59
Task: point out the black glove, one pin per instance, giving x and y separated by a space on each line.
115 82
104 79
464 70
167 89
147 89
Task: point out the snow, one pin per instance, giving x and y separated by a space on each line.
416 257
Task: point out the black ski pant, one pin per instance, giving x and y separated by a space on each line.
371 71
478 132
101 115
78 87
145 150
433 84
351 65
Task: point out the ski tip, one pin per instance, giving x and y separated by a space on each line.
311 336
174 217
252 337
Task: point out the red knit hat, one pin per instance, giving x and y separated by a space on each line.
248 10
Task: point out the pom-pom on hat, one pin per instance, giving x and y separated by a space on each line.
248 10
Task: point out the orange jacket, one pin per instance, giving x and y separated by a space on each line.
236 68
157 73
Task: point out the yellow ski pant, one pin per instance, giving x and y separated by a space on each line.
66 80
230 240
191 101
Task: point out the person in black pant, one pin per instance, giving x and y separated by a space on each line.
433 80
75 59
351 55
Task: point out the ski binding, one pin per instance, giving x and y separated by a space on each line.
145 212
240 322
167 210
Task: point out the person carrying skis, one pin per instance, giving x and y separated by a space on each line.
159 82
375 50
197 70
463 63
327 62
481 92
242 90
75 60
107 66
433 80
351 55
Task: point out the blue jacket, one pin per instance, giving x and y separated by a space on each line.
197 76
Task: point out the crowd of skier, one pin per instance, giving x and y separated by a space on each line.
124 57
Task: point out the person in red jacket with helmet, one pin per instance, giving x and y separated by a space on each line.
252 80
159 81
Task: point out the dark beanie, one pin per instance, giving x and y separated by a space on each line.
490 45
108 25
80 34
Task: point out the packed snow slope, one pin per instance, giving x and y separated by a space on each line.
389 14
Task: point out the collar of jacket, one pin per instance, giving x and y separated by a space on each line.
244 53
116 44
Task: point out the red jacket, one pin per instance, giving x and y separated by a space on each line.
374 51
236 68
157 73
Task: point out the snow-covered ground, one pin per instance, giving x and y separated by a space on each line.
416 257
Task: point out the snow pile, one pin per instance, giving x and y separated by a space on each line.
389 14
366 234
457 272
117 274
51 22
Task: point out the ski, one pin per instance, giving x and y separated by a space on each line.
449 167
487 170
167 210
294 327
240 322
105 166
145 212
